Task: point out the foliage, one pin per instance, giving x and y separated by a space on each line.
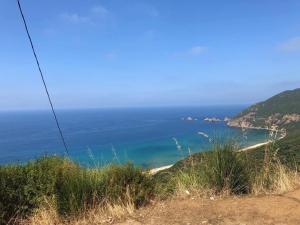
287 102
221 170
74 190
24 188
226 170
80 188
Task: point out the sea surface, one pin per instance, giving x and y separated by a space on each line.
148 137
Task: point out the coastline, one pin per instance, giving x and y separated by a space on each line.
251 147
156 170
254 146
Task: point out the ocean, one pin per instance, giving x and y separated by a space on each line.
148 137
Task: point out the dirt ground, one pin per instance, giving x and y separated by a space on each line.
272 209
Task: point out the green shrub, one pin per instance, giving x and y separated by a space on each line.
226 170
118 180
72 189
23 187
165 184
80 188
222 169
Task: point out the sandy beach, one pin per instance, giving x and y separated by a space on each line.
156 170
254 146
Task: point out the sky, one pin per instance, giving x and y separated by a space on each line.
136 53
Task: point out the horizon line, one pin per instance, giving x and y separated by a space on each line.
123 107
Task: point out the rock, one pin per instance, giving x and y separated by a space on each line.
213 119
226 119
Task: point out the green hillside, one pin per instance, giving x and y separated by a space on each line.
283 103
281 110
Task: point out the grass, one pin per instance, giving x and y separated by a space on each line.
59 190
275 176
71 189
225 171
23 188
222 170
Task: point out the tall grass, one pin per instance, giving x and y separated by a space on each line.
23 187
221 170
225 171
71 189
274 176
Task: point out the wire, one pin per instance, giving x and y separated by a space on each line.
43 79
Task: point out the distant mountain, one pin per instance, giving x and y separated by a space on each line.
280 111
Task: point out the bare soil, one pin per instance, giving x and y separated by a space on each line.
281 209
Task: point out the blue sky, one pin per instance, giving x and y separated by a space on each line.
120 53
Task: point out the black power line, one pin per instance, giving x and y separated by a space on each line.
43 79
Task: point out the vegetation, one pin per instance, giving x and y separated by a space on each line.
287 102
70 188
281 111
227 171
57 189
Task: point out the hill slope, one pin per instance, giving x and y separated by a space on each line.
280 110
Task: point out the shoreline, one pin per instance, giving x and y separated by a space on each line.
156 170
251 147
254 146
153 171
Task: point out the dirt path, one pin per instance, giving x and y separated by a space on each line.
278 209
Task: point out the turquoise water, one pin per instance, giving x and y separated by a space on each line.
145 136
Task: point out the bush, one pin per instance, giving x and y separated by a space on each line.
23 188
119 181
225 169
220 170
113 184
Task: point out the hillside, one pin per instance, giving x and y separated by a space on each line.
281 111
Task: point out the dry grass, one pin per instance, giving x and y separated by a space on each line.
274 177
188 184
218 167
100 214
276 180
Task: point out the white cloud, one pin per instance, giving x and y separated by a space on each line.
291 45
99 10
194 51
197 50
93 16
75 18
